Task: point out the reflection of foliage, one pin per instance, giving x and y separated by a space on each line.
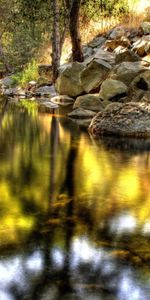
99 189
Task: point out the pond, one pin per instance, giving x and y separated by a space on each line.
75 212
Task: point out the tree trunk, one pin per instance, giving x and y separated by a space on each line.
55 40
74 31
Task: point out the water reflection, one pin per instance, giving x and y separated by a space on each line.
74 212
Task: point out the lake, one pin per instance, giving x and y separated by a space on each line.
75 211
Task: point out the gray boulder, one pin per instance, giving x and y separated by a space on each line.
126 55
68 82
90 102
129 119
142 81
127 71
105 55
93 75
117 33
142 46
145 26
46 90
97 42
113 89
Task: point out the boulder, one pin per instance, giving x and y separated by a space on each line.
46 90
105 55
7 82
93 75
63 100
145 26
117 32
82 113
126 55
90 102
97 42
111 45
112 90
142 46
17 91
127 71
142 81
129 119
68 82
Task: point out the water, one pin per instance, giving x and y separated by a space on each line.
75 212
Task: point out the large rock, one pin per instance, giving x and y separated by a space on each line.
112 90
105 55
97 42
145 27
142 81
142 46
129 119
46 90
126 55
7 82
94 74
113 44
68 83
127 71
90 102
117 33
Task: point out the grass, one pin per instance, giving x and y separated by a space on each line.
28 74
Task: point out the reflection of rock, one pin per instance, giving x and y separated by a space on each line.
129 145
129 119
63 100
47 107
112 89
81 113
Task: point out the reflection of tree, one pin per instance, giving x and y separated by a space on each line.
60 219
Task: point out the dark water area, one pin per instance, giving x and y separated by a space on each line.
74 211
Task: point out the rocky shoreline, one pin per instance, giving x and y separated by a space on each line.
110 90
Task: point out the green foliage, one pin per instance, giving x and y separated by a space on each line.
28 74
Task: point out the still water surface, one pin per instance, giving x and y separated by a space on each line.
75 212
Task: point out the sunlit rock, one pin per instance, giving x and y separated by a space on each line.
46 90
127 71
90 102
118 32
145 27
105 55
112 89
93 75
142 46
129 119
68 82
126 55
